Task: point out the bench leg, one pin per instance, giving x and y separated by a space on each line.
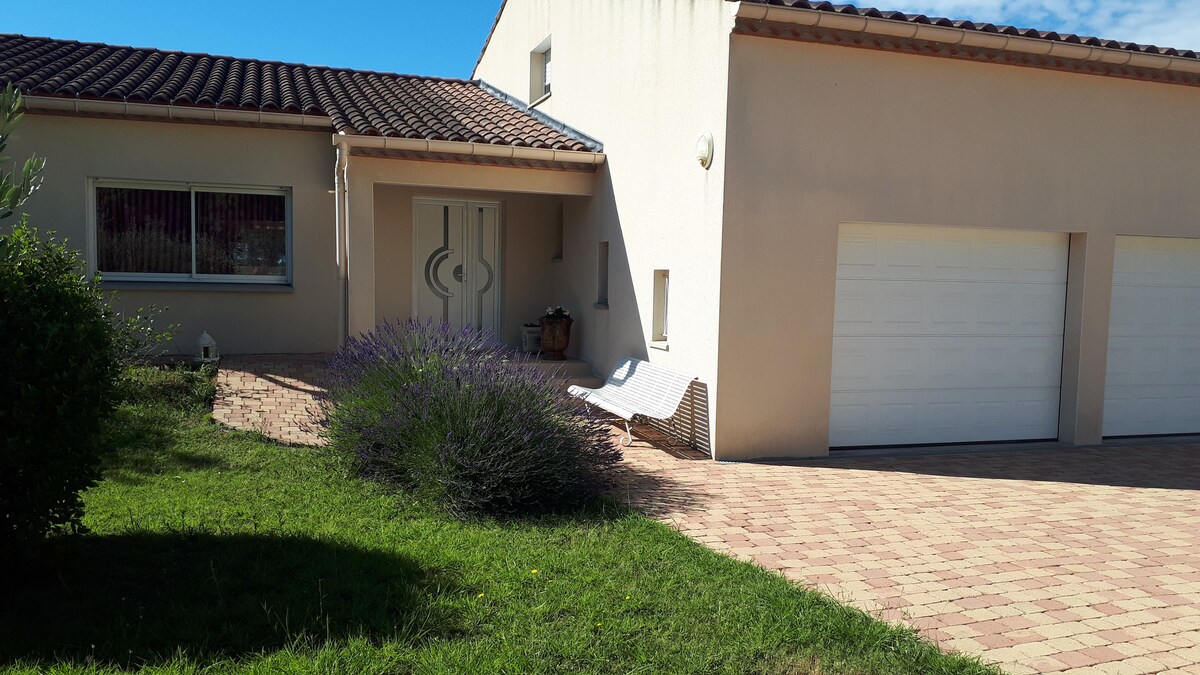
628 439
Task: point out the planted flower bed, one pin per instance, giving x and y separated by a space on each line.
455 419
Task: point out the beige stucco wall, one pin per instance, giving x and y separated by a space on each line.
821 135
242 319
527 223
647 78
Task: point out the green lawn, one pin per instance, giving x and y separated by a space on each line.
217 551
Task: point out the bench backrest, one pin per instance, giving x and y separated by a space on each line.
645 388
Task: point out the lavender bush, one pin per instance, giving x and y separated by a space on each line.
453 419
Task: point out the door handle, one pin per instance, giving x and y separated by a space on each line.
459 276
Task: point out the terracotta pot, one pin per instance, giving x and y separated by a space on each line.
556 336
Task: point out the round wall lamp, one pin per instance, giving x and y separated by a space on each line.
704 150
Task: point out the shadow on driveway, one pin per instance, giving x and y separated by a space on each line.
1175 467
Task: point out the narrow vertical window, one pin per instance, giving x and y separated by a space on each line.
602 274
662 290
558 232
540 71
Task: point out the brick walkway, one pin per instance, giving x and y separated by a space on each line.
272 394
1054 560
1081 560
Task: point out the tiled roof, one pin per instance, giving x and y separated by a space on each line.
358 102
980 27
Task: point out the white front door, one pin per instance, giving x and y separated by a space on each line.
457 262
946 335
1152 383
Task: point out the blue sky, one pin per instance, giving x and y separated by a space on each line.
443 38
406 36
1166 23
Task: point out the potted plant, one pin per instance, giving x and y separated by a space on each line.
556 333
531 337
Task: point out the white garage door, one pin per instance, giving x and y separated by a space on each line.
947 335
1152 385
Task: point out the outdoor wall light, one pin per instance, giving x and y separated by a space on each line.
704 150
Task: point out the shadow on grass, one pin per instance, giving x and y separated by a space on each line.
142 598
145 441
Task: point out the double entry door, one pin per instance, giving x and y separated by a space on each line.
457 262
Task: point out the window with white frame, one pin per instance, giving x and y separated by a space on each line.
186 232
540 71
662 290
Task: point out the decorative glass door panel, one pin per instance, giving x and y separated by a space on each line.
457 262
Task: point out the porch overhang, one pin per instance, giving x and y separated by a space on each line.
486 153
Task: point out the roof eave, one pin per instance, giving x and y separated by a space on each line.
481 150
86 106
488 40
754 11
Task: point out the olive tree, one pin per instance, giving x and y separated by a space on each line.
15 186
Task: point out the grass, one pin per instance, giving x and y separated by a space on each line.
218 551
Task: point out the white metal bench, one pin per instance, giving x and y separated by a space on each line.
637 388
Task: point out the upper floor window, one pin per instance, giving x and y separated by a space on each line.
182 232
540 71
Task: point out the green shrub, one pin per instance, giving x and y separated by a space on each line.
140 337
59 348
454 419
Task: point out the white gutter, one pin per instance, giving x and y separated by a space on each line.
341 199
962 37
470 149
181 113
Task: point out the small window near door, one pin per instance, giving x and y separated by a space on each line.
602 275
662 289
558 232
540 71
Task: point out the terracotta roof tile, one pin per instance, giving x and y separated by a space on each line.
980 27
358 102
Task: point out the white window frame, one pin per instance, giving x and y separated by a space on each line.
192 189
541 74
660 331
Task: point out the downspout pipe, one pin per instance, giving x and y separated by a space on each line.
341 189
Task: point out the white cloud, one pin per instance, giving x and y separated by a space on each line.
1166 23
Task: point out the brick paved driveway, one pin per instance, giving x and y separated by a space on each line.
1042 561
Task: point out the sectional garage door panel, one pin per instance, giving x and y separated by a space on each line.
947 416
947 335
948 307
1152 381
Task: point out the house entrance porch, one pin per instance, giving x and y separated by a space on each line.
466 243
